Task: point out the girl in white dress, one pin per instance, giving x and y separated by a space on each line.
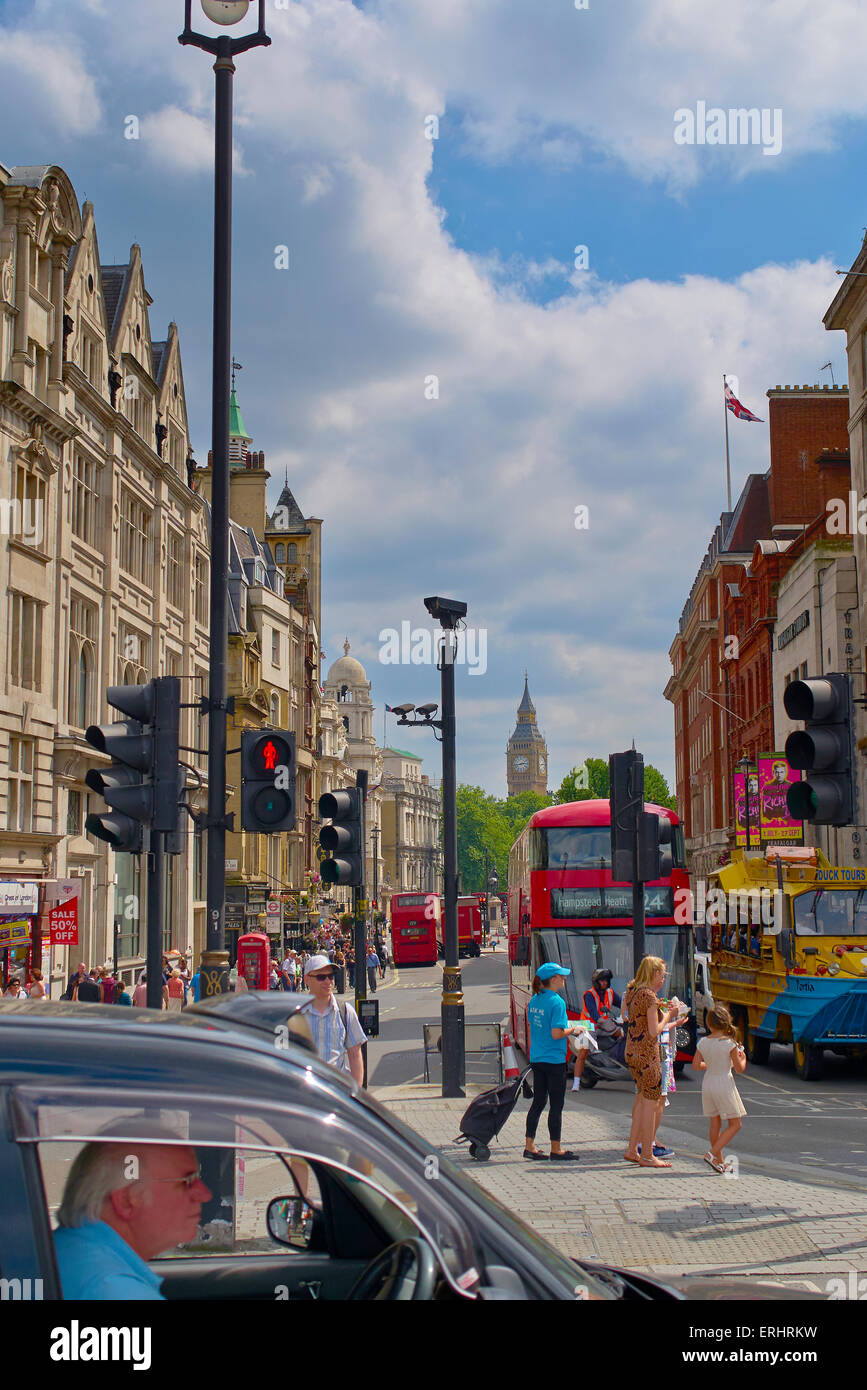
716 1055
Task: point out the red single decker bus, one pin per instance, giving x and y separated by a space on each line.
469 925
564 906
415 921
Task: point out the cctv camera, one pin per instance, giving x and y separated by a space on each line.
403 709
446 611
426 710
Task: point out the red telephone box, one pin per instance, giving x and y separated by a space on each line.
254 960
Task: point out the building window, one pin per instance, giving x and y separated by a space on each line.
73 813
202 582
275 647
292 554
19 801
275 709
81 663
91 359
84 498
30 512
133 657
25 642
127 905
175 568
135 536
279 554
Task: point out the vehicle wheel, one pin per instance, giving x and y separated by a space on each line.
588 1082
482 1153
758 1049
809 1061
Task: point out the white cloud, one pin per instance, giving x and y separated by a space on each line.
608 397
46 75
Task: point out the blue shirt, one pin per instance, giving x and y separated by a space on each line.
547 1010
96 1263
195 986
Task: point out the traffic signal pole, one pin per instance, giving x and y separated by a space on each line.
156 909
358 923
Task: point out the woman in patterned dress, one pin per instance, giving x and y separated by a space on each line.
647 1020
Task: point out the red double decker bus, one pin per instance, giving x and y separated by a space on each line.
564 906
469 925
415 919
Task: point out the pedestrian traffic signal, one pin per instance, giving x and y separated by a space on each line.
823 750
267 780
342 838
141 786
626 803
654 847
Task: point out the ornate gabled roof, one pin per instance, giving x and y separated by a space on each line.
113 279
295 523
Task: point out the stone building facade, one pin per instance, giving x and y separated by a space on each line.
112 587
411 817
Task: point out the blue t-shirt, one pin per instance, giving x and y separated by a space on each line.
547 1010
96 1263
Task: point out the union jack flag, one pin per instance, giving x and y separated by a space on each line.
738 410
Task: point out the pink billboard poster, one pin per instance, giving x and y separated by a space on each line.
741 810
775 778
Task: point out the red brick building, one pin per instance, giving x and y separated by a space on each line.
722 657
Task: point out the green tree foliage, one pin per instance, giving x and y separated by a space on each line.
594 771
484 822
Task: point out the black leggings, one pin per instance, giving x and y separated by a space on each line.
549 1084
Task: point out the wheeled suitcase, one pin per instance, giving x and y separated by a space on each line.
485 1116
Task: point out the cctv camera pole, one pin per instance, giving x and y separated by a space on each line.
454 1061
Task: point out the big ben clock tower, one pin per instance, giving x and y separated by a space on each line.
526 752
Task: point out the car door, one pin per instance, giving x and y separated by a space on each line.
317 1151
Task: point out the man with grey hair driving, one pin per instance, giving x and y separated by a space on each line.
123 1204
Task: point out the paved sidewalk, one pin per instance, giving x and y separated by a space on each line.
772 1219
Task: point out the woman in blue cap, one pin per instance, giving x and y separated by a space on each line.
549 1029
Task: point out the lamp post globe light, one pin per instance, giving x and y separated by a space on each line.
224 49
226 11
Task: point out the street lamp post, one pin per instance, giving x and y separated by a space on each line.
215 960
448 613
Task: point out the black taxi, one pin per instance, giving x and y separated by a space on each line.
321 1193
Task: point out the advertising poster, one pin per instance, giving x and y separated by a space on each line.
63 916
775 778
741 810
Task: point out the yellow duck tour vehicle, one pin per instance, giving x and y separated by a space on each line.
789 954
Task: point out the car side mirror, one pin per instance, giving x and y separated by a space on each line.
290 1221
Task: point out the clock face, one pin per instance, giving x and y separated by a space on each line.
541 764
521 763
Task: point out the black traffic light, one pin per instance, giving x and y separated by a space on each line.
342 838
267 780
626 803
141 786
654 847
823 750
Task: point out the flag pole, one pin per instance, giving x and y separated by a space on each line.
728 464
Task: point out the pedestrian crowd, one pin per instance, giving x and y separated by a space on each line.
649 1050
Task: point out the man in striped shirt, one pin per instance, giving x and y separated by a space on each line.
337 1042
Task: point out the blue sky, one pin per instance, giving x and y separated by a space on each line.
412 258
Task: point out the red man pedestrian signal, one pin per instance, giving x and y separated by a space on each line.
267 781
